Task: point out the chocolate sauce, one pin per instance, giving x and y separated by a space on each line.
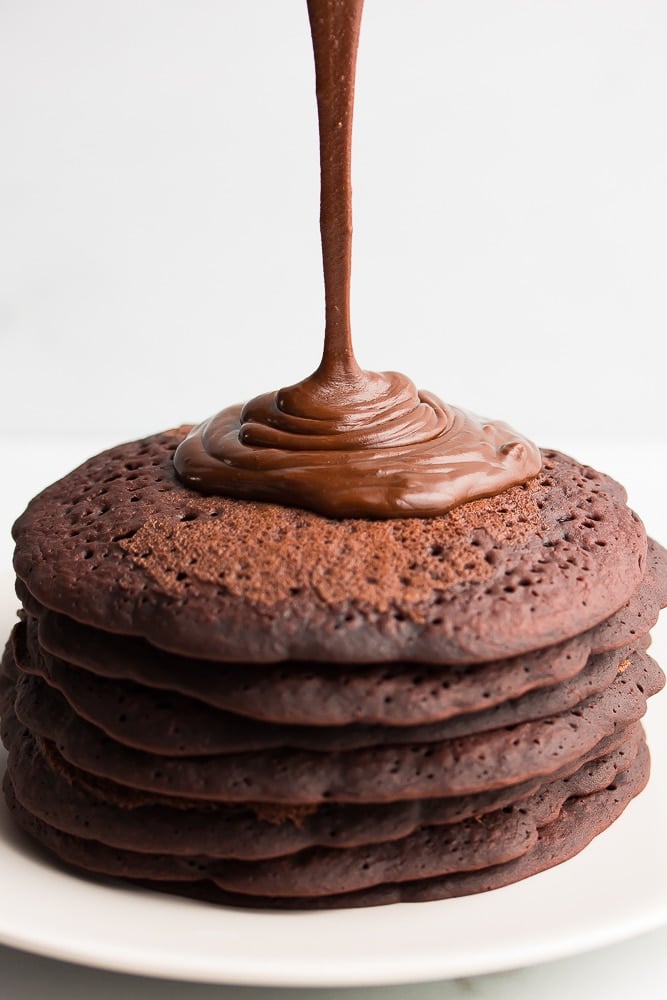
346 442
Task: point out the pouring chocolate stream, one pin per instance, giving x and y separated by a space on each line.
347 442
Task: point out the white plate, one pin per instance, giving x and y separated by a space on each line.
613 890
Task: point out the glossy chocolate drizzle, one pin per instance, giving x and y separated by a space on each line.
346 442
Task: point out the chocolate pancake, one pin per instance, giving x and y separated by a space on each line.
313 693
164 722
458 766
121 545
338 694
434 862
68 799
580 820
8 678
329 781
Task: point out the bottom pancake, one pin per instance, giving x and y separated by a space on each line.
579 822
432 862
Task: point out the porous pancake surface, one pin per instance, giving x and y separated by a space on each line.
170 724
383 773
266 707
325 694
121 545
94 809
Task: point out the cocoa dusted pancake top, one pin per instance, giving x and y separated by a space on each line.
121 545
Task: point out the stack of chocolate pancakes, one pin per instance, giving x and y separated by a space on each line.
267 707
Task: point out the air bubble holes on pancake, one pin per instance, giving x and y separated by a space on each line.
416 571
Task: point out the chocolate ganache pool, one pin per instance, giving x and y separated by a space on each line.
347 442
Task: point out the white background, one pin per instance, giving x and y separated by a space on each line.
159 245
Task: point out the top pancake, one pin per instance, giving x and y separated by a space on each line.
121 545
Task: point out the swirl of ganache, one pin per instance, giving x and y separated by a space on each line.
346 442
375 447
